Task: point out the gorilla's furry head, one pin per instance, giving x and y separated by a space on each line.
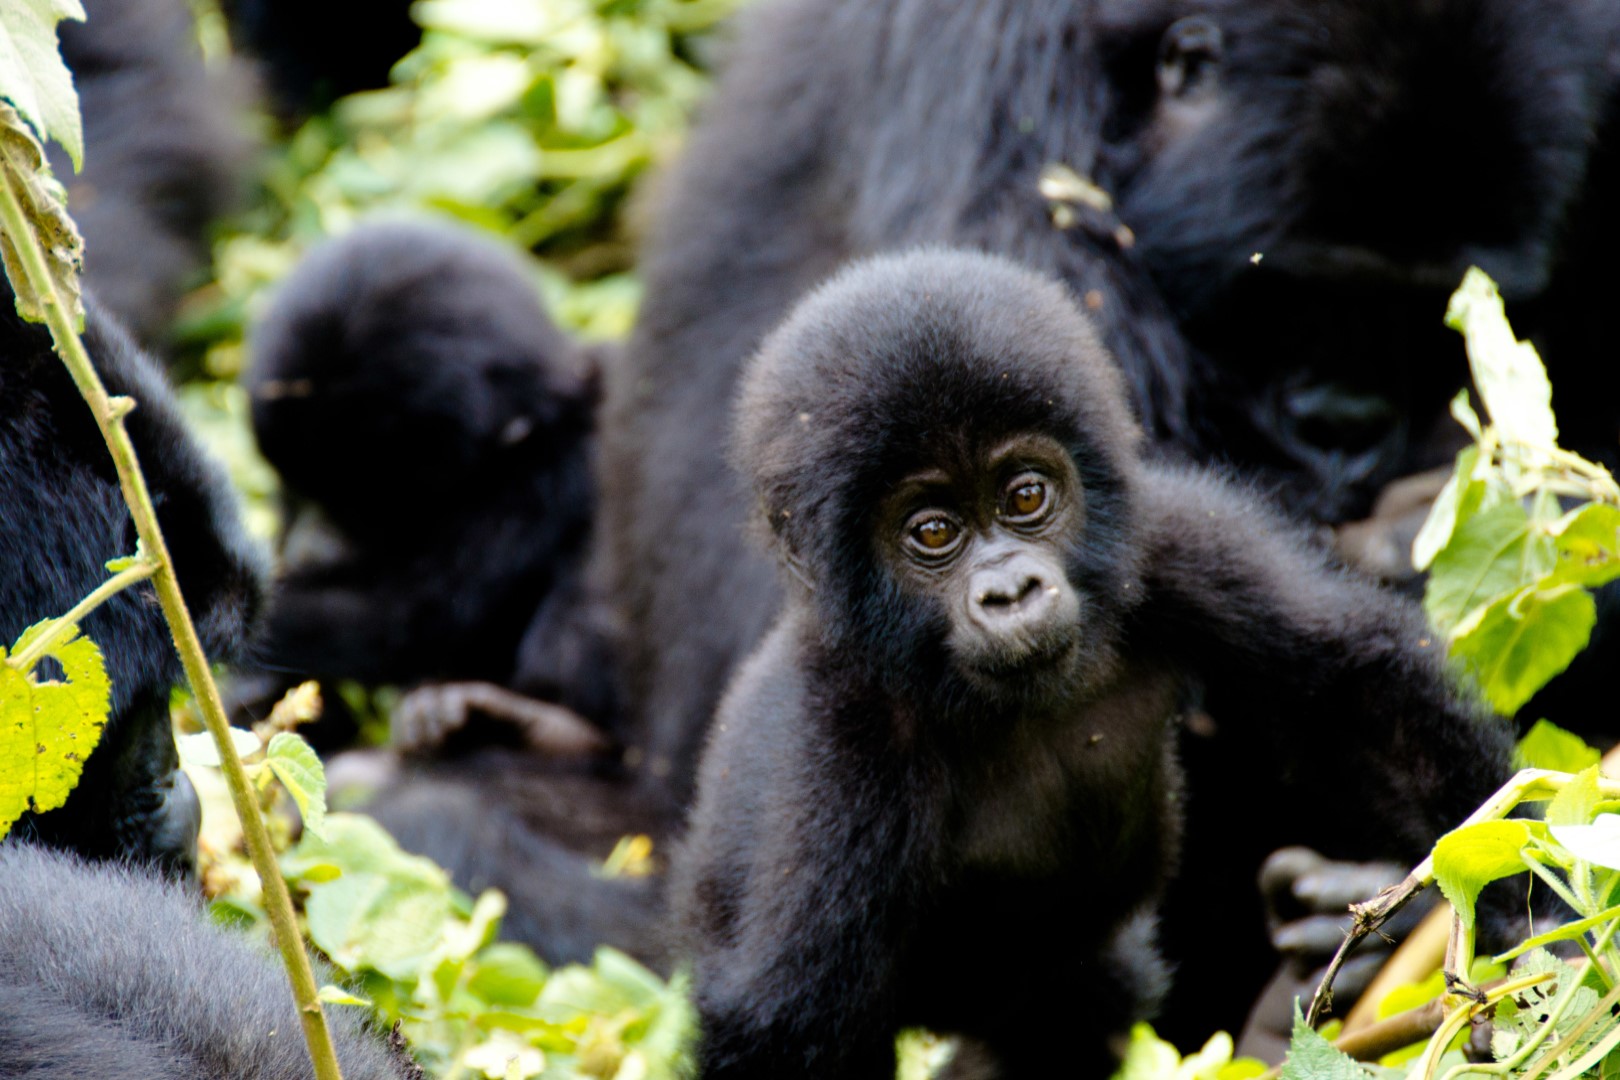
930 358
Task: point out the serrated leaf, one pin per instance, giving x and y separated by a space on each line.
1509 375
200 749
22 169
300 771
1587 540
1597 843
1469 858
1311 1057
1517 643
1521 1015
49 727
336 995
1490 554
1577 801
1548 746
32 75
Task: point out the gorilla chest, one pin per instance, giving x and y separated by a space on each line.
1086 787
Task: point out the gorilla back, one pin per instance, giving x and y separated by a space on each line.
105 972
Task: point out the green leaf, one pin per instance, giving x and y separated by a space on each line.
1469 858
1446 508
300 772
32 75
1597 843
48 728
1516 644
1507 372
1311 1057
1519 1016
387 912
1548 746
1588 545
200 749
1490 554
22 169
1577 801
508 974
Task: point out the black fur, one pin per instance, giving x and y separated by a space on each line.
166 154
64 519
407 384
1366 150
307 70
881 839
105 972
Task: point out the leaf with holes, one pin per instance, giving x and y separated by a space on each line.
48 727
22 169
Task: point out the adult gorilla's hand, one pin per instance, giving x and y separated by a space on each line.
1308 898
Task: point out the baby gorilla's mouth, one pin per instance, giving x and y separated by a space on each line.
1043 654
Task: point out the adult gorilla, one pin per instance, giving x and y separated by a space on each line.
1366 152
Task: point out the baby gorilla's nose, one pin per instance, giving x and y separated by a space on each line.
1018 600
1008 594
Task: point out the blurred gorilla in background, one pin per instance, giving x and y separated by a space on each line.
166 153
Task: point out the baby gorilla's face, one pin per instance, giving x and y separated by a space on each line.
982 535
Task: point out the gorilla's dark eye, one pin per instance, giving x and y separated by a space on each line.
1027 498
1189 56
934 533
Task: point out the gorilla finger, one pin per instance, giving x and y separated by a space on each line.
1282 869
1334 886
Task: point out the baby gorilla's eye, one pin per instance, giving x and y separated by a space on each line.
1026 499
934 533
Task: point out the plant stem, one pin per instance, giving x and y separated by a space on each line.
109 416
28 657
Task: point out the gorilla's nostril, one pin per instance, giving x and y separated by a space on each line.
1010 596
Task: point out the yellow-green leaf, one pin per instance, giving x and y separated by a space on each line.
1517 643
1588 543
1548 746
336 995
49 727
300 772
1469 858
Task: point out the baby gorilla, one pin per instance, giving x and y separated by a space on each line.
951 766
